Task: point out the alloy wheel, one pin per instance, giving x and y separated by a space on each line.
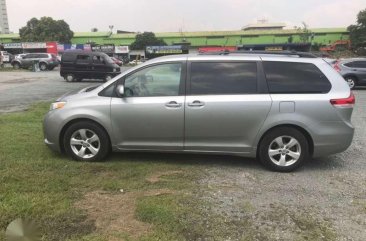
85 143
284 151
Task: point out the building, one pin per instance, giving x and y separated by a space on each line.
196 40
4 24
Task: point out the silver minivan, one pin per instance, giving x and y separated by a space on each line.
281 108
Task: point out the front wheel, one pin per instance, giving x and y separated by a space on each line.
283 149
86 141
108 77
43 66
69 77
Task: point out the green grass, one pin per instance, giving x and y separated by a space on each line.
42 185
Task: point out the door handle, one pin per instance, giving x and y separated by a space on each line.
173 104
196 103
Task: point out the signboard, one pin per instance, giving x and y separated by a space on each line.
175 49
121 50
104 48
34 45
13 45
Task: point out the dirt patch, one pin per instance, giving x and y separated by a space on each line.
115 212
156 177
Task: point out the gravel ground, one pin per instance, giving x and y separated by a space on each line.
324 200
20 89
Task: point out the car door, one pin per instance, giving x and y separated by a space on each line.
226 105
150 115
27 60
83 65
360 70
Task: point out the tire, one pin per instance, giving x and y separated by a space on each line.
283 158
43 66
69 77
51 68
351 81
108 77
16 65
86 141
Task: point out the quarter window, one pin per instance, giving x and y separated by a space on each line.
159 80
223 78
289 77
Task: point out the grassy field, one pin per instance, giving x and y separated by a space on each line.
83 201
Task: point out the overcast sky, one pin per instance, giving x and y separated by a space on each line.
188 15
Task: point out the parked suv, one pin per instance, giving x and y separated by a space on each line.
45 61
282 109
79 65
353 71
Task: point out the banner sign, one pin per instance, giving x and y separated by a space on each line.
175 49
13 45
121 50
34 45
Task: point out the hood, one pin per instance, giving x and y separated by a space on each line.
76 92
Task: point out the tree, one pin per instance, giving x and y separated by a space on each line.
304 33
357 32
46 29
94 30
146 39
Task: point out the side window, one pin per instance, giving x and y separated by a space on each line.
223 78
359 64
288 77
42 56
350 64
158 80
82 59
97 59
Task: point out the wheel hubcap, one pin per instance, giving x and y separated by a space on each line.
351 83
108 78
69 78
85 143
284 151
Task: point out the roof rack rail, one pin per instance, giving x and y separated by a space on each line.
260 52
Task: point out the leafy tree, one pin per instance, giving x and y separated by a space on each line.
46 29
94 30
146 39
358 31
304 32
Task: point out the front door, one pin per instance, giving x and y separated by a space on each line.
224 107
150 115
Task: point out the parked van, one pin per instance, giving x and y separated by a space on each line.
282 108
79 65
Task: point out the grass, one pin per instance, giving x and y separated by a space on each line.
38 184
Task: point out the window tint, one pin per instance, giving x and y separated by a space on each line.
357 64
82 58
223 78
159 80
68 57
286 77
97 59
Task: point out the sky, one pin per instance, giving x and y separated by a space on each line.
184 15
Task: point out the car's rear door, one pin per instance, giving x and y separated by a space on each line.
226 105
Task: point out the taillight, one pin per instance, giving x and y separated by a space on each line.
346 102
336 66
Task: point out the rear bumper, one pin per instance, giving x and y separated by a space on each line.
332 138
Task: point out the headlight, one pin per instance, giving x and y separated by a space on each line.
57 105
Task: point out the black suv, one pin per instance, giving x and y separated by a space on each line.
79 65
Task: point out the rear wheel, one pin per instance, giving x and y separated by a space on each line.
16 65
69 77
43 66
351 81
283 149
86 141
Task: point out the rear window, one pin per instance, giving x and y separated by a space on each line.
223 78
288 77
68 57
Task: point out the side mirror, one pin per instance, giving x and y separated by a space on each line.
120 90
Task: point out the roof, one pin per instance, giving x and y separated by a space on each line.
264 25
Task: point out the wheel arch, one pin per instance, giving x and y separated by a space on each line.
73 121
297 127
